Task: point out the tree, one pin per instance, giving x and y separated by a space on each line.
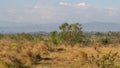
64 26
70 34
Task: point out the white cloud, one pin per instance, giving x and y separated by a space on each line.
83 4
64 4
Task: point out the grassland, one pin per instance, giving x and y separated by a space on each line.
35 51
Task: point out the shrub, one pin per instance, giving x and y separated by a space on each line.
105 41
54 37
106 61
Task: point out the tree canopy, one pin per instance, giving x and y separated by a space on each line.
70 33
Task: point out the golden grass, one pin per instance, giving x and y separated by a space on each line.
62 56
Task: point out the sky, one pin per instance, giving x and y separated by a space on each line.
59 11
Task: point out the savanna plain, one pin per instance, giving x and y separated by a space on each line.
68 48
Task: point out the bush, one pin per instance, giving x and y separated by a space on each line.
106 61
105 41
54 37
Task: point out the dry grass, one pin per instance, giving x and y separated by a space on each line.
27 54
76 57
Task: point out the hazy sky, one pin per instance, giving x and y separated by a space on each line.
57 11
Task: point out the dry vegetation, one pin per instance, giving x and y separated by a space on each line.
27 54
60 50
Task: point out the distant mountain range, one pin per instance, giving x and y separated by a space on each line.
101 27
10 27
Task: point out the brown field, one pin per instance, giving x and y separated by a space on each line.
26 54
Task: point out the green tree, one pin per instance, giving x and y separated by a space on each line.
64 27
69 33
54 37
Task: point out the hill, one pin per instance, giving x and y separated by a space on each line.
11 27
101 27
